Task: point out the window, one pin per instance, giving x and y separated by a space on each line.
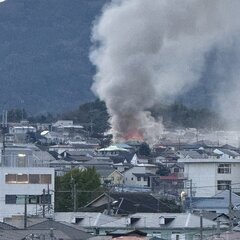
224 168
176 170
31 199
11 178
223 185
10 199
22 178
34 178
46 179
145 179
139 178
20 199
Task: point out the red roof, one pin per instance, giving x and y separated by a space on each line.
172 177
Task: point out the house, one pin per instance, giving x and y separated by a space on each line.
116 178
122 166
53 137
20 133
191 154
177 169
171 185
128 235
41 228
62 123
227 153
173 226
75 155
80 146
21 129
139 159
218 203
225 235
210 176
113 150
140 175
131 202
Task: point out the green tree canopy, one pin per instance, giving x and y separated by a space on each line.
144 149
86 183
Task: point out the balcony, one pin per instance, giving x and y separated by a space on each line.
22 160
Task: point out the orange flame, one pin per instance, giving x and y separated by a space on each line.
134 134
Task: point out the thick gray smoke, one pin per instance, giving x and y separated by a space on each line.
152 51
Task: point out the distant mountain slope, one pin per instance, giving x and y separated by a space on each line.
44 48
44 65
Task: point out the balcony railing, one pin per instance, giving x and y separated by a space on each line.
22 160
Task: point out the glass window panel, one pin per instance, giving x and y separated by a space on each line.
34 178
10 199
20 199
21 160
223 185
224 168
22 178
33 199
46 179
10 178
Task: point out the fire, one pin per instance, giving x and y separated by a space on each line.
134 134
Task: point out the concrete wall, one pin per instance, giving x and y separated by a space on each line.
7 210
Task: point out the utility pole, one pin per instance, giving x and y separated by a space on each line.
230 208
51 234
201 226
44 202
25 211
191 207
74 198
48 199
218 228
108 205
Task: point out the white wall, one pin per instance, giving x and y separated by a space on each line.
7 210
205 175
128 175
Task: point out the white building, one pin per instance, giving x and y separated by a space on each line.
211 176
16 183
139 175
22 129
63 123
25 177
112 150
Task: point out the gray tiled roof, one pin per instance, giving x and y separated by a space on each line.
151 220
70 230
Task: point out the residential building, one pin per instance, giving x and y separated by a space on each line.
122 203
25 179
218 203
140 175
174 226
210 176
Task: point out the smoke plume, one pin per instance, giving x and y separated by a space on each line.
152 51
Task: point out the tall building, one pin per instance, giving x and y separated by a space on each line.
26 183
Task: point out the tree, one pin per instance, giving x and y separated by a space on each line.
93 116
82 184
16 115
144 149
